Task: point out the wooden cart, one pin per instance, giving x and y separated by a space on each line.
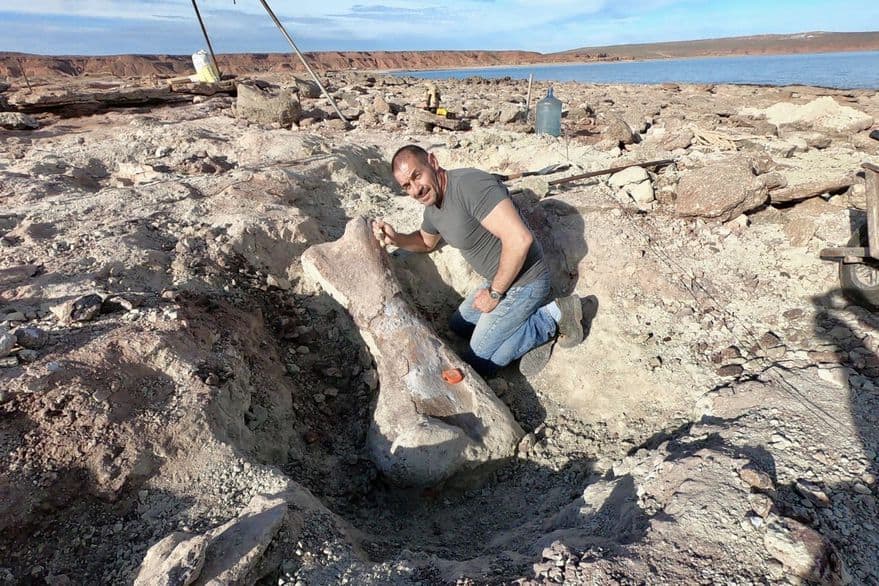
859 260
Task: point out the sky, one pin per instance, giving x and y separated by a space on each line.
108 27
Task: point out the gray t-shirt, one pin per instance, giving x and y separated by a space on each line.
470 196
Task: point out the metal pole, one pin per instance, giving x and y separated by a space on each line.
528 99
302 58
204 31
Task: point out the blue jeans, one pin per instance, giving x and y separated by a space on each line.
518 324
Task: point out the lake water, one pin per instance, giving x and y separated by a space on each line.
835 70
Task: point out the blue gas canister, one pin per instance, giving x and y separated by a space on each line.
549 115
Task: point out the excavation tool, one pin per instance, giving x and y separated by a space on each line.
859 260
557 168
572 178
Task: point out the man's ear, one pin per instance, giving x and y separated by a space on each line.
431 160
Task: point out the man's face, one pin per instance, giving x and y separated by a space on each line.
419 178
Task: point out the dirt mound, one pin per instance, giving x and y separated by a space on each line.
166 369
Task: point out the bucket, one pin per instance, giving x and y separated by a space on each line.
549 115
205 68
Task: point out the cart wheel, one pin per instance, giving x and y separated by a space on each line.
860 281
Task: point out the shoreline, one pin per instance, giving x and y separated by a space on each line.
624 60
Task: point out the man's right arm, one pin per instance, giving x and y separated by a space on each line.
419 241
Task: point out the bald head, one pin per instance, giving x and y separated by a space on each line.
410 150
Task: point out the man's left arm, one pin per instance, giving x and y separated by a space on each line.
506 224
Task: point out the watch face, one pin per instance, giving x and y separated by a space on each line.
494 294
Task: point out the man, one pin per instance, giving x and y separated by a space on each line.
508 317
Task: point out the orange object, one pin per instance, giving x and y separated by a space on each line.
453 376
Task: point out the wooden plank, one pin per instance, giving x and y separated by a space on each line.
843 252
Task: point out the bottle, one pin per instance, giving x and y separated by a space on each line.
205 68
549 115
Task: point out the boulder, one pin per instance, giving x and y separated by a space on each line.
642 193
176 560
227 554
510 113
617 132
235 548
17 121
308 88
31 337
627 177
581 113
804 552
677 139
380 105
722 190
424 429
820 114
267 106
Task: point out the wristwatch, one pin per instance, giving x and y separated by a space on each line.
496 295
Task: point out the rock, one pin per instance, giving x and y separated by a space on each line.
730 370
823 113
84 308
804 552
31 337
642 193
176 560
235 548
424 430
308 88
760 504
756 478
739 223
628 176
617 132
278 282
582 113
18 121
769 340
7 342
267 107
677 139
773 180
28 355
812 492
13 316
510 113
723 191
811 139
17 274
813 188
381 106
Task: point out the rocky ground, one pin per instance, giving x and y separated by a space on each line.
170 376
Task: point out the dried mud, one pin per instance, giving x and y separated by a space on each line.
716 426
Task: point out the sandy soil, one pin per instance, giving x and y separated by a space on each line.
165 360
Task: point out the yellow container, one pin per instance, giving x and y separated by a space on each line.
205 68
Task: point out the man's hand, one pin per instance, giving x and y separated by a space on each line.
483 301
384 233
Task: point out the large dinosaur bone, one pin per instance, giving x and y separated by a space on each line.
424 429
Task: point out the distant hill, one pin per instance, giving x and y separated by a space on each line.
18 65
811 42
